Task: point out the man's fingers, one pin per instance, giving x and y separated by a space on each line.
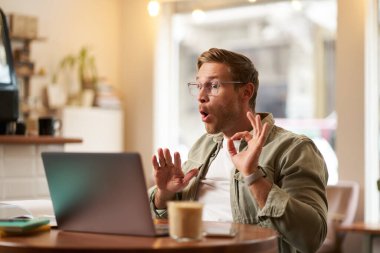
168 157
263 134
161 157
241 135
236 136
255 122
247 136
177 160
258 124
155 162
189 175
231 147
251 118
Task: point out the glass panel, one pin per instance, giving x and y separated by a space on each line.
293 48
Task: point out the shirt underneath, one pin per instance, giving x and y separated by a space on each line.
214 189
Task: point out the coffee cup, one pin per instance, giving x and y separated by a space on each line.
185 220
48 125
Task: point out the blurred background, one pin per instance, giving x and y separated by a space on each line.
115 73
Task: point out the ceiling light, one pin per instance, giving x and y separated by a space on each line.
252 1
153 8
297 5
198 15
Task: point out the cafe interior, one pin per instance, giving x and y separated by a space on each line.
110 76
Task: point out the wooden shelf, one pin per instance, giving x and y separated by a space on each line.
18 139
19 38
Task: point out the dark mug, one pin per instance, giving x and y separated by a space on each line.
20 128
48 125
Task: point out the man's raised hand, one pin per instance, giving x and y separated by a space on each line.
169 176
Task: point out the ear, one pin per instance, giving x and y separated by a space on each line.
248 90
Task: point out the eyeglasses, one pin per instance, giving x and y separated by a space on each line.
211 88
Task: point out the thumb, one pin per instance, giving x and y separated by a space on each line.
189 175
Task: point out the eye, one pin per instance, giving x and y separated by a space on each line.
207 86
214 86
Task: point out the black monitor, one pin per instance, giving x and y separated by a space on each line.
9 99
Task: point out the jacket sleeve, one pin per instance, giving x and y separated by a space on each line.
296 205
158 213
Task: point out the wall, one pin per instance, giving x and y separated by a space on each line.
350 100
122 36
69 25
18 181
139 33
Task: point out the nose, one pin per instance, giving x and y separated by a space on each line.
202 95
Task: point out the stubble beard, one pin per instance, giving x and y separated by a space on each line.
224 121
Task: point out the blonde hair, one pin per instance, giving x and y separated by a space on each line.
241 67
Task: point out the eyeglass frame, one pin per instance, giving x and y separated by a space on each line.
200 86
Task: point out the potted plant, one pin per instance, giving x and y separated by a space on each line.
78 73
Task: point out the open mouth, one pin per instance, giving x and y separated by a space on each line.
203 114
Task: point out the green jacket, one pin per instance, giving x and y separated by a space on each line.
296 205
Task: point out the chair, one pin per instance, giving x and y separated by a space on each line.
342 201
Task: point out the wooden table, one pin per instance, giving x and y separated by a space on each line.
368 230
250 238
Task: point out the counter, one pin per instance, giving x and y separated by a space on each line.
18 139
22 174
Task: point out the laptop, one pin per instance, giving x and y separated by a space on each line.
100 192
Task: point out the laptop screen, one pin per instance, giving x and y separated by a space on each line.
99 192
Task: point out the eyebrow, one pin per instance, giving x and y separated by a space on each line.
209 78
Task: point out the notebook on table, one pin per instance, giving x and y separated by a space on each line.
100 192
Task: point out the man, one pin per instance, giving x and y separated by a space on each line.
245 169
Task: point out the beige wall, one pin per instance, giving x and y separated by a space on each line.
70 24
121 35
350 100
138 31
350 89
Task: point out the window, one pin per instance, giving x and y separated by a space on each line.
296 65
